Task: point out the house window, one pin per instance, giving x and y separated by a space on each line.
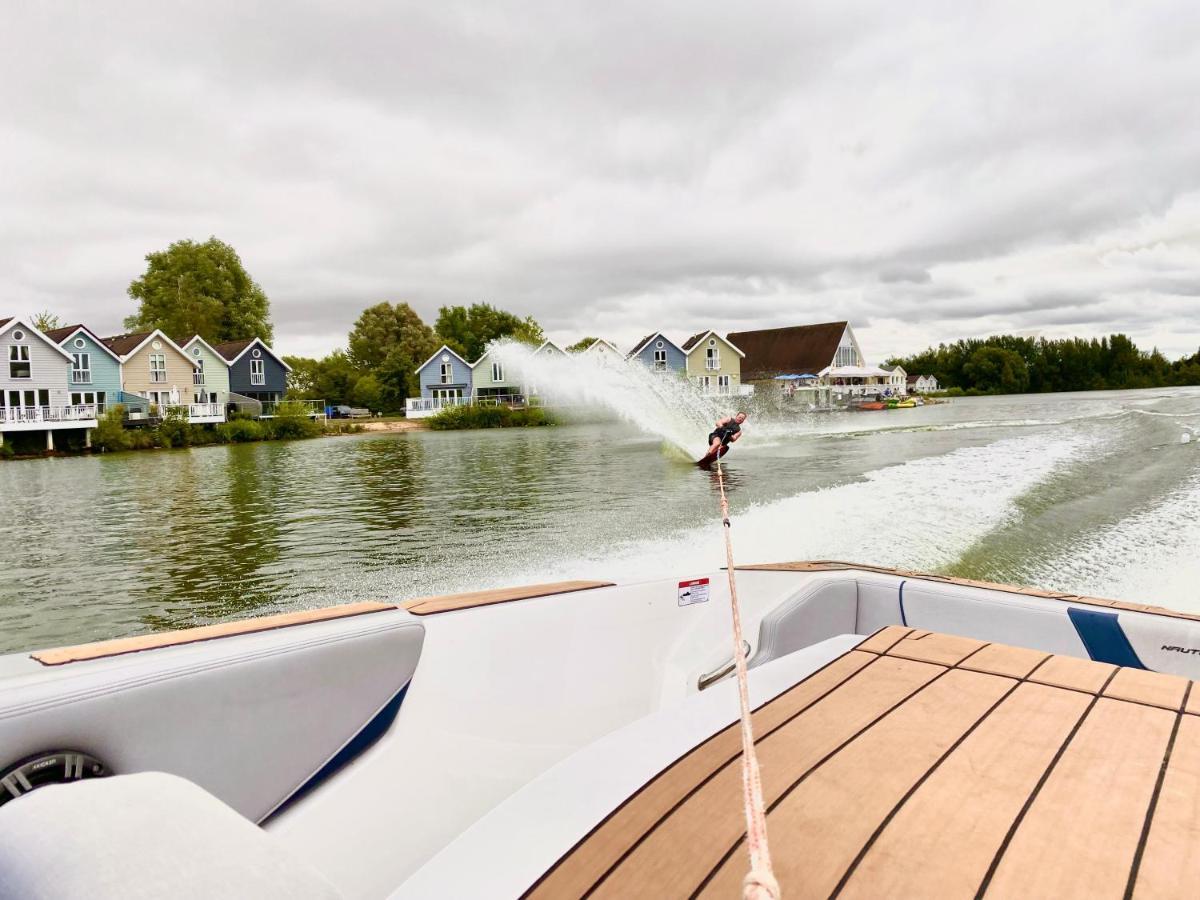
81 368
18 361
497 372
158 368
660 360
447 372
846 356
258 372
198 375
448 395
712 358
706 383
88 398
722 384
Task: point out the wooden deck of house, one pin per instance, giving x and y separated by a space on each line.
927 765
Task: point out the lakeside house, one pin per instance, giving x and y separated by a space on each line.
34 385
897 380
714 363
922 384
210 380
446 380
659 353
154 367
492 382
819 363
256 372
95 375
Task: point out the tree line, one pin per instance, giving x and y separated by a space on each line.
1007 364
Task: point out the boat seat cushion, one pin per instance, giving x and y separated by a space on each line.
149 835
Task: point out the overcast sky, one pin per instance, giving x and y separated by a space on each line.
927 171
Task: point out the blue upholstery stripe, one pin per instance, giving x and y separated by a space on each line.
367 735
1103 637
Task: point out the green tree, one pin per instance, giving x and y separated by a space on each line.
368 393
46 321
200 288
995 370
582 344
468 330
389 341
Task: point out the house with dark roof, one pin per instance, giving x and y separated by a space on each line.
154 367
659 353
824 358
713 363
255 370
796 350
95 374
34 395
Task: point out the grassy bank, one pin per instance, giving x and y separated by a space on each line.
461 417
111 434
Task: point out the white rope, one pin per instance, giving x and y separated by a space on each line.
759 883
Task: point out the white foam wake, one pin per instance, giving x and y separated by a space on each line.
924 514
1149 557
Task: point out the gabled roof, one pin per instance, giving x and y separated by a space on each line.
441 349
796 350
691 343
196 338
551 345
592 345
61 335
12 322
894 368
647 339
125 345
232 351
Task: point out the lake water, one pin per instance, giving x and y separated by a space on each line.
1093 493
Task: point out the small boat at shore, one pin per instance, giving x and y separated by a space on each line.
919 735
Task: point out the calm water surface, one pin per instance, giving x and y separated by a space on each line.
1087 492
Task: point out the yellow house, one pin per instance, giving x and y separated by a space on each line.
714 364
155 367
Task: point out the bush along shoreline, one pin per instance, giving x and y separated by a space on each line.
174 431
455 418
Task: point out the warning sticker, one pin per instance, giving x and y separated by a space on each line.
694 591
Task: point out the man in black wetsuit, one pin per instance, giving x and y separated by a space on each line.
728 429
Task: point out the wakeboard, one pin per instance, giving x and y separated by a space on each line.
706 461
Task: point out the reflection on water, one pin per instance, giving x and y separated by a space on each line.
1017 488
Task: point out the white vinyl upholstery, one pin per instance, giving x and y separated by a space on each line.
819 610
143 837
249 718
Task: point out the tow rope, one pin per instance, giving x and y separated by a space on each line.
759 883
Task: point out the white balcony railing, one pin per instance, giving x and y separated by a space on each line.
158 377
201 412
48 415
712 364
419 407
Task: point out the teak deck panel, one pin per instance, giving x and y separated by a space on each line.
121 646
922 764
427 606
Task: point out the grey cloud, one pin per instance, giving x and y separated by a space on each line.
617 166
